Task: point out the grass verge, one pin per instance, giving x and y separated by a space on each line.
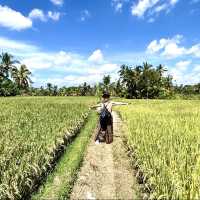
59 184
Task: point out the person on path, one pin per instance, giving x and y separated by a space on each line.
105 127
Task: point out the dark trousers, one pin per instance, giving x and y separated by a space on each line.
108 136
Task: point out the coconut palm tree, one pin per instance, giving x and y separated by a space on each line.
161 69
106 82
6 64
21 76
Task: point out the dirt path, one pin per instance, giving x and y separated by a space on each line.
106 172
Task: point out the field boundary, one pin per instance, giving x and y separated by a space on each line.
56 154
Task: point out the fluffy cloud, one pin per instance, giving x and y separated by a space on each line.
183 65
195 50
44 60
13 19
96 57
76 68
142 6
61 68
15 46
151 7
170 48
54 15
57 2
182 75
39 14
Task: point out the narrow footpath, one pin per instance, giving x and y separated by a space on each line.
106 172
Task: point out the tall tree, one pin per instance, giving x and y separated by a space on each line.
106 82
143 81
6 64
21 76
50 89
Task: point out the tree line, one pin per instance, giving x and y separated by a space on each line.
141 81
13 80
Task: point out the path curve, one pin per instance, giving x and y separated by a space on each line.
106 172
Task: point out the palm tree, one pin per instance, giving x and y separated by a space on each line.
21 76
161 70
106 82
6 64
146 66
49 88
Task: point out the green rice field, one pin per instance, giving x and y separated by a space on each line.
164 136
31 129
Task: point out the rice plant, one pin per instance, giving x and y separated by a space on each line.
165 138
31 128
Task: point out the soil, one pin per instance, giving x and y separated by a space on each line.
106 172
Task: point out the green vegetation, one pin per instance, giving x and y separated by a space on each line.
164 136
13 79
32 130
138 82
60 182
145 82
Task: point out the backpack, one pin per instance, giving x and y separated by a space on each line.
105 118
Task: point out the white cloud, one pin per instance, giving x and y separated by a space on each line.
151 7
38 61
57 2
75 80
195 50
44 60
170 48
142 6
62 58
197 68
85 14
156 46
15 46
54 15
173 2
161 7
96 57
105 68
37 14
118 4
118 7
183 65
185 72
13 19
64 68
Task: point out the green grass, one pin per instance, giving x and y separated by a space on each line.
31 128
60 182
165 138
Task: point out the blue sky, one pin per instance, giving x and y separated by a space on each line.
67 42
